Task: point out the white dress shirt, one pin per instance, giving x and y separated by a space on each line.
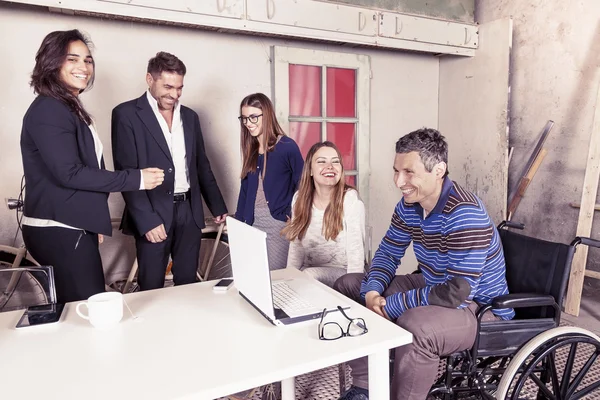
176 143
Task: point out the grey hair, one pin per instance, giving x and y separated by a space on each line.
429 143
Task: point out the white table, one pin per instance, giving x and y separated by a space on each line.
187 343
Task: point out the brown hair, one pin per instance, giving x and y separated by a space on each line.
165 62
49 59
297 226
271 132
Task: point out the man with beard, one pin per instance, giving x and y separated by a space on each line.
157 130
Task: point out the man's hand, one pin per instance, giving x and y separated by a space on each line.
100 239
375 302
220 219
153 177
157 234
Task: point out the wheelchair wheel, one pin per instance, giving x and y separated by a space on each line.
553 365
19 289
221 265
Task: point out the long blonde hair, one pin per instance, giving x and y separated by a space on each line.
271 132
297 226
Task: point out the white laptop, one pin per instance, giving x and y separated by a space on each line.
281 302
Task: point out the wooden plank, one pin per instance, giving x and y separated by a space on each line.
538 147
233 8
412 27
315 15
593 274
524 183
515 197
586 215
476 122
578 205
224 15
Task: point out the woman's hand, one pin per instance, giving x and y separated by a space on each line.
220 219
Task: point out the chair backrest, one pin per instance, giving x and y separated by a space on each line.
536 266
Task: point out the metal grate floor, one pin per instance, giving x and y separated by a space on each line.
323 384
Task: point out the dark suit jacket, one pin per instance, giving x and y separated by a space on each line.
138 142
63 178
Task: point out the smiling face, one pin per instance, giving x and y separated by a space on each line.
252 120
78 67
166 89
416 183
326 167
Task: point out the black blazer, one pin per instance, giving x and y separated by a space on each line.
63 178
138 142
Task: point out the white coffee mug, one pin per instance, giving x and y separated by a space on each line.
104 309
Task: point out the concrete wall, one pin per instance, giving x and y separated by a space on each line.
222 69
458 10
555 75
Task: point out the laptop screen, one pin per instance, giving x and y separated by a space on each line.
250 264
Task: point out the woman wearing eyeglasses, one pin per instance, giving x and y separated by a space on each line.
271 169
327 228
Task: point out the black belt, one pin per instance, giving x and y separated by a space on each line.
177 197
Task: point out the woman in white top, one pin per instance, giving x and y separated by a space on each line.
327 227
66 208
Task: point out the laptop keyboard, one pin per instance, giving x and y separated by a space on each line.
286 299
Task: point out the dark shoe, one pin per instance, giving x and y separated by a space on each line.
355 393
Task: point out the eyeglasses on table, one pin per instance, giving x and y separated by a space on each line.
333 330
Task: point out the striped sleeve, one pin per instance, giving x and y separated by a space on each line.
388 255
468 233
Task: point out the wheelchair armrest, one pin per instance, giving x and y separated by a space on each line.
519 300
587 241
510 224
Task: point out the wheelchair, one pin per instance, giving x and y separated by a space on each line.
531 356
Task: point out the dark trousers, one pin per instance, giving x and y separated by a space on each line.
182 243
437 331
75 257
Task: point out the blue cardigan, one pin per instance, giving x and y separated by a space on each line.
284 168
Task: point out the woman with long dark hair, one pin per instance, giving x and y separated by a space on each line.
66 203
271 168
327 228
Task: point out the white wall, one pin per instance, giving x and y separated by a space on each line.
404 97
222 69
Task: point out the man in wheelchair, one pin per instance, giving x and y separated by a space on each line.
461 265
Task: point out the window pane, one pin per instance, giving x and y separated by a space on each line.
341 92
342 134
351 180
305 91
305 134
